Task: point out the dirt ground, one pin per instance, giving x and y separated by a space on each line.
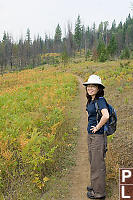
80 174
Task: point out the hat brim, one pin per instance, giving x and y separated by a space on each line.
87 83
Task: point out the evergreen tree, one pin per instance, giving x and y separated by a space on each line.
78 33
28 37
83 38
120 38
7 49
100 30
129 36
128 20
102 51
113 28
28 48
125 54
57 39
112 46
58 34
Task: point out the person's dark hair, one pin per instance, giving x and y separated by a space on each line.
100 93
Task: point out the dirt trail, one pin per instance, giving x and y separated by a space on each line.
80 174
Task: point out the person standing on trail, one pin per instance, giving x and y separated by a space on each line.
96 136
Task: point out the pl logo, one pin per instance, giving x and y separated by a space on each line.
126 183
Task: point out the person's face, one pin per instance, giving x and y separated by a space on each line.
92 90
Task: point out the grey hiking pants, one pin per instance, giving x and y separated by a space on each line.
96 147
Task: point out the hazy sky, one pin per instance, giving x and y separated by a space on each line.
42 16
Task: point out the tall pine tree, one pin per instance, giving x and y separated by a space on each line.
78 33
112 46
57 38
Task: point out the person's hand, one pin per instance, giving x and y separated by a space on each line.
94 129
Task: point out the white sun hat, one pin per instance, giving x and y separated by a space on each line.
94 79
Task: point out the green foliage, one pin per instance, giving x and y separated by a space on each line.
65 57
51 59
103 56
58 34
113 28
78 32
125 54
30 117
112 46
126 100
87 55
28 37
120 89
102 52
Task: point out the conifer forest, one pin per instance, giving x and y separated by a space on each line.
98 44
